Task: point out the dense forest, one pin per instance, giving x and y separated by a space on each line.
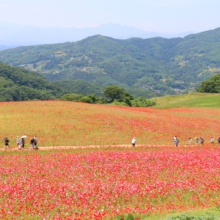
81 86
18 84
148 67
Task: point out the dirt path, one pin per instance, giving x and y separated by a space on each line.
92 147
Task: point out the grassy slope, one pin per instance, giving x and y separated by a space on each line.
201 214
188 100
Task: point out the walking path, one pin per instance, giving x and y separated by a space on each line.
96 146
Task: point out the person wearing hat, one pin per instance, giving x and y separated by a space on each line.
18 141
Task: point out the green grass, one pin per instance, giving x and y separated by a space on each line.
189 100
204 214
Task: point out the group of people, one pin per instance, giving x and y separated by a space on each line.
202 140
176 141
21 143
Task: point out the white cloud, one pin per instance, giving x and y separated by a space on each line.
2 6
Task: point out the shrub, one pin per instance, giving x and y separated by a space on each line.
71 97
142 102
86 99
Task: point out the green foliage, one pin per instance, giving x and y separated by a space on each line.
210 86
125 217
114 92
81 86
117 103
142 102
71 97
153 66
118 96
82 98
86 99
192 217
127 101
18 84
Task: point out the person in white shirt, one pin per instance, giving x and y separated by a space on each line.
133 141
18 141
212 140
190 141
174 140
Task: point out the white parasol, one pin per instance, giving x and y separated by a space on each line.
24 136
4 138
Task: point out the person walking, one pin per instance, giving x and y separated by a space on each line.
197 140
133 141
32 143
19 146
35 138
174 140
177 142
22 142
202 140
190 141
219 140
18 141
35 142
7 142
212 140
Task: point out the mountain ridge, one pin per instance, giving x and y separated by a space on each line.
29 35
164 66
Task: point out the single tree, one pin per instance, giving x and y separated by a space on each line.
114 92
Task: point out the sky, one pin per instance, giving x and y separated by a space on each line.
166 16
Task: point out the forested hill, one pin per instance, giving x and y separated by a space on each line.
165 66
17 84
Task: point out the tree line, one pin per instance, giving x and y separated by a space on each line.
113 95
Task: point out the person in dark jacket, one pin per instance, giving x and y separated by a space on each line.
32 143
22 142
7 142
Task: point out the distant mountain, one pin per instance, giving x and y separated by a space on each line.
3 47
13 34
18 84
164 66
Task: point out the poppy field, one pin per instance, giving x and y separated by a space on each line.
60 123
104 183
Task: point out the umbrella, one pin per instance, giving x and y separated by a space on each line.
24 136
4 138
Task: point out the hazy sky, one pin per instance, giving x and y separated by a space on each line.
152 15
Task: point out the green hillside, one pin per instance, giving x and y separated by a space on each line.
18 84
81 86
188 100
164 66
